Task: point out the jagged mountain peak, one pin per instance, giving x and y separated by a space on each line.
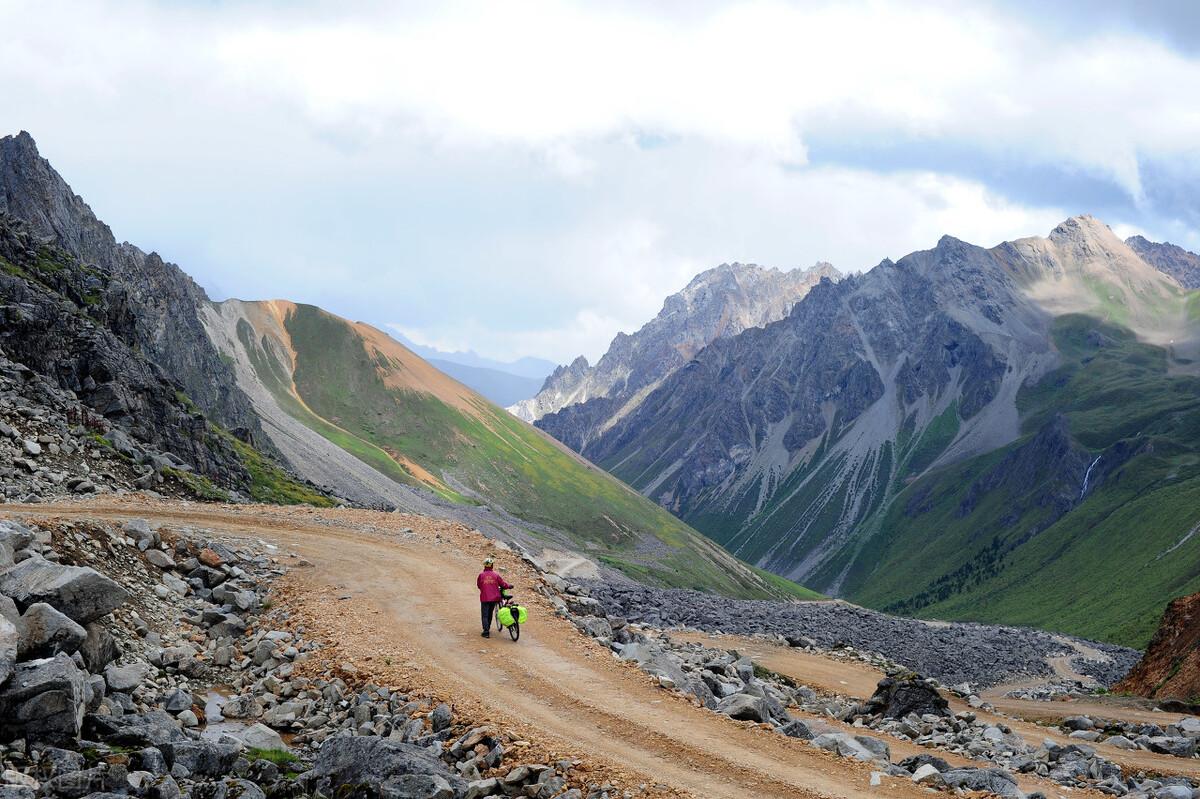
1170 259
163 299
719 302
1087 236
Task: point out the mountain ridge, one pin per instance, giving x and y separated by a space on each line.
790 443
581 400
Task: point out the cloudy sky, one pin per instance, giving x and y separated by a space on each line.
528 178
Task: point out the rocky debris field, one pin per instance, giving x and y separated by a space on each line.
1179 739
52 445
142 662
953 653
905 705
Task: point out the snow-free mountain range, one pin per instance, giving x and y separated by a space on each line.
1006 434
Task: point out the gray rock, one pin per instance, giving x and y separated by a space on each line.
855 746
81 593
745 708
126 678
481 788
150 760
13 538
798 729
996 781
160 559
44 702
10 641
205 758
152 728
373 760
177 701
100 648
16 792
260 736
228 789
45 632
441 717
88 782
897 697
55 762
245 706
175 584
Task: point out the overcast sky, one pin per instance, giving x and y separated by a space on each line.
528 178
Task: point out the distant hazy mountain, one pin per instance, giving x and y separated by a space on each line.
502 388
579 401
1007 434
530 367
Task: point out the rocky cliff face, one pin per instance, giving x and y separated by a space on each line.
802 445
1170 669
64 321
125 372
1169 258
161 302
579 401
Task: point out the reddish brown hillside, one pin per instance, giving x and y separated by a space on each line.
1170 668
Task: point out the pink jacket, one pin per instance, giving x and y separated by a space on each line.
490 583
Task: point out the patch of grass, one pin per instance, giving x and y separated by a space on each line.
100 440
199 485
786 587
269 483
279 757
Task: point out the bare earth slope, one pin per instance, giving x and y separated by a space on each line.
1171 666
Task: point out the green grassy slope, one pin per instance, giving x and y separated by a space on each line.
1107 566
348 393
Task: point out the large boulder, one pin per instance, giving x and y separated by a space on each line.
385 767
859 747
991 780
745 708
81 593
896 697
13 538
126 678
152 728
10 640
99 648
44 702
202 757
260 736
45 632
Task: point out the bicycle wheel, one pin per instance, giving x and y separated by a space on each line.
515 630
499 626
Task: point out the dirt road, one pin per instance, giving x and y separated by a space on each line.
410 604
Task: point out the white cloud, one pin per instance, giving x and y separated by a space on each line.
759 74
529 178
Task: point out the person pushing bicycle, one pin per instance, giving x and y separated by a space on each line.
490 585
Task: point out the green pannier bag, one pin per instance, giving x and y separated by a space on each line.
521 614
506 616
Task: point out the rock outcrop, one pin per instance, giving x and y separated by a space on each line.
1169 258
1170 669
159 304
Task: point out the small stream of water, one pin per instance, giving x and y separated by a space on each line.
1088 474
